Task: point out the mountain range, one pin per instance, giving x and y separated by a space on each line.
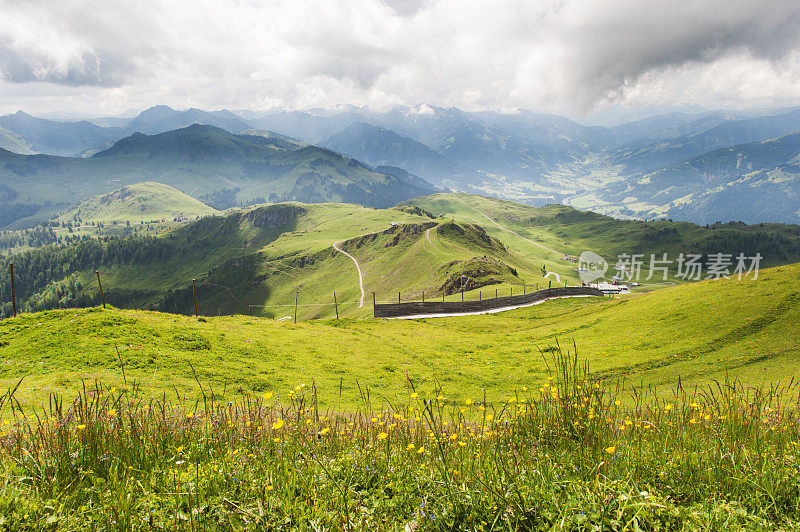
210 164
685 166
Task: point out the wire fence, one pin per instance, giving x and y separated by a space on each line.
208 299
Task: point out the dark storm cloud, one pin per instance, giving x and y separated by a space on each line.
613 44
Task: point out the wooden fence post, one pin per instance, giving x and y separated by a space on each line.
13 291
549 284
373 304
423 296
102 297
194 291
336 304
296 294
495 293
398 298
511 292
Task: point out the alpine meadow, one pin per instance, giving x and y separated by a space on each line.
389 265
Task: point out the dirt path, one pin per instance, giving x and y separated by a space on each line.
509 230
360 277
428 237
490 311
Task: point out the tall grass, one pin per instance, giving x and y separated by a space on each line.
566 453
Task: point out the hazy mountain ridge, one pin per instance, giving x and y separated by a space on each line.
529 157
203 161
752 182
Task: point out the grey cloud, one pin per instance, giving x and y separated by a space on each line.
630 38
563 56
405 8
86 69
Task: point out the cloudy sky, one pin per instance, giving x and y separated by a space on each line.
583 58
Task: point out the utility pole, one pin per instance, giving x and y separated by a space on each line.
194 291
102 297
13 291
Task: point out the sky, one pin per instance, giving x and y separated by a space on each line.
591 60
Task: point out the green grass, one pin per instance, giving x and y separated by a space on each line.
135 203
241 268
570 231
565 454
743 329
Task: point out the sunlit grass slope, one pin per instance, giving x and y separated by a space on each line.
713 329
140 202
566 230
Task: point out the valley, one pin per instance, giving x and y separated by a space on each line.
676 166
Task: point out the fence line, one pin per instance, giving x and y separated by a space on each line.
412 308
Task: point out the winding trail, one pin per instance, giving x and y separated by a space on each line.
360 277
509 230
558 277
428 237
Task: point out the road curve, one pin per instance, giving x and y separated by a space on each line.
509 230
360 277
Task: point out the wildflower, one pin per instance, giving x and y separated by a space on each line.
267 396
611 450
421 449
81 427
414 395
382 436
325 431
112 412
270 488
278 424
454 437
179 449
461 444
409 447
617 403
440 397
693 421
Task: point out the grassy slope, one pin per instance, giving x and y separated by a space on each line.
12 142
239 271
237 267
746 329
142 201
569 231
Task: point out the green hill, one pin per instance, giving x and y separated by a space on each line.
696 332
142 201
569 231
210 164
263 260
